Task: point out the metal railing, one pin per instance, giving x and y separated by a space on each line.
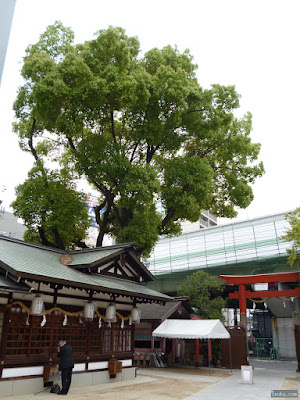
263 348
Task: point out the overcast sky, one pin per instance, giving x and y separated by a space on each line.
253 45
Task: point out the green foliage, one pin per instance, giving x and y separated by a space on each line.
205 292
140 129
52 210
293 235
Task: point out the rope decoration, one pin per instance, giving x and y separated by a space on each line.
278 297
66 313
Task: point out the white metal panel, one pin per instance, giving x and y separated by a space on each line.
26 371
79 367
127 363
98 365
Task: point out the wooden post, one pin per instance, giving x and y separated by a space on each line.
174 349
164 345
152 337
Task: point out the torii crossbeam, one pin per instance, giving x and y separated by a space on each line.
242 294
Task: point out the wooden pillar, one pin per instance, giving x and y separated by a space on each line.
152 337
163 345
174 349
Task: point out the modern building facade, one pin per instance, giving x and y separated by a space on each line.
207 220
251 247
7 8
246 247
10 226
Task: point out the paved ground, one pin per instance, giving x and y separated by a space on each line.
188 384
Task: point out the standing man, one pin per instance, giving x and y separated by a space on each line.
66 364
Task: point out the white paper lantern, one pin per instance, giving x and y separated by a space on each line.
89 311
110 314
37 305
135 315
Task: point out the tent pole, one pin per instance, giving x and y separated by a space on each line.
197 363
209 351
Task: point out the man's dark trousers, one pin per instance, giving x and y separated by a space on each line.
66 364
66 377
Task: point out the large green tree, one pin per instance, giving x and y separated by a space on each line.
205 293
293 235
140 129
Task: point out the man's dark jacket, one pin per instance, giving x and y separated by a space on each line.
65 357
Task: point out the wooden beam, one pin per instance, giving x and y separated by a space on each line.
261 278
267 293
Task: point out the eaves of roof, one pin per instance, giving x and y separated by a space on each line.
39 263
8 285
125 287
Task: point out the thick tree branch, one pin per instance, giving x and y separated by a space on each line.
59 242
103 224
192 111
133 152
150 153
30 140
44 240
169 216
101 187
112 123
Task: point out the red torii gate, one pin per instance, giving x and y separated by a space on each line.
242 294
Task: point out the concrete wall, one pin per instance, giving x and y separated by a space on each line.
283 332
16 387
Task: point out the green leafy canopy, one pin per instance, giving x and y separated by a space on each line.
204 291
139 129
293 235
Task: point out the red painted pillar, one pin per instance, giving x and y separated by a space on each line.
243 306
197 361
197 348
242 293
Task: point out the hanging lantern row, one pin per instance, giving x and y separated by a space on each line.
89 311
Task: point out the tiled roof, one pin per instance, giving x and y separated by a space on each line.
36 262
89 257
127 287
157 311
26 260
101 255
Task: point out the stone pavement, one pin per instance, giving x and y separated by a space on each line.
266 377
187 384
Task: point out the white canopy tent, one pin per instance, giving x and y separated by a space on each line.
193 329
